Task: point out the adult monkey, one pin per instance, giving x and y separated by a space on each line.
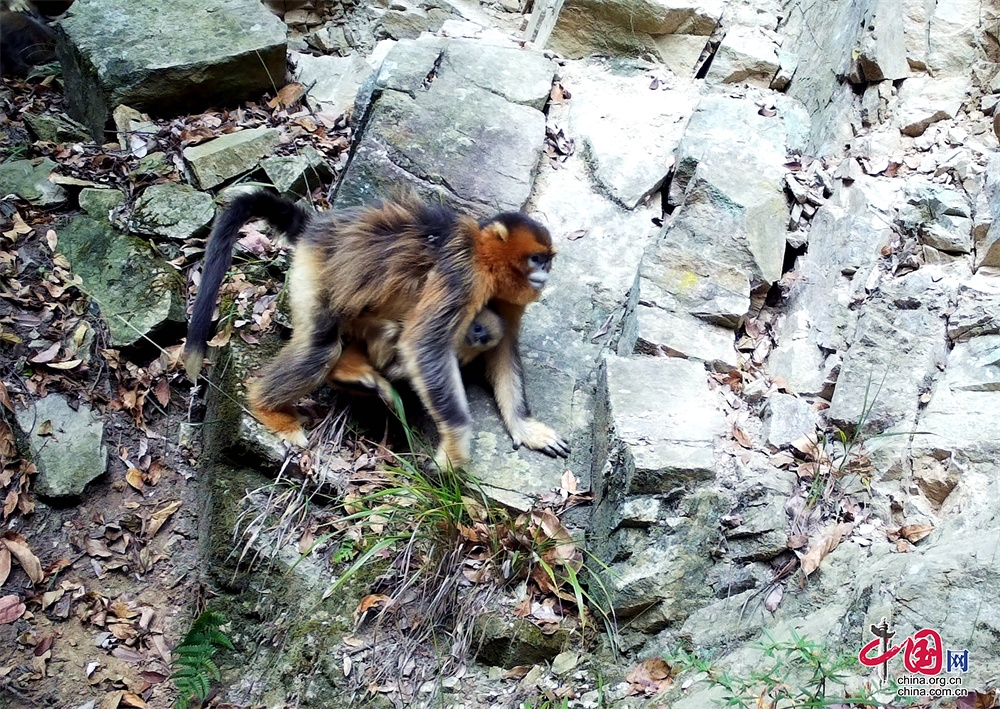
402 261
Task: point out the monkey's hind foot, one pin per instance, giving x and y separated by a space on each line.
537 436
285 423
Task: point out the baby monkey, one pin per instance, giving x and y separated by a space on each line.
374 363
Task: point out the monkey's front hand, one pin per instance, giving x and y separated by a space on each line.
537 436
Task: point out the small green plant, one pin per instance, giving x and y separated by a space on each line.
795 673
195 668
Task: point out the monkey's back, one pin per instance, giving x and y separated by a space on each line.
375 261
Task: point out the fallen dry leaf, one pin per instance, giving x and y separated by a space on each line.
741 437
47 355
20 226
649 677
97 547
517 672
975 700
807 445
11 609
4 564
369 602
162 392
157 519
578 234
773 598
827 541
915 532
112 699
68 364
8 446
134 478
132 700
569 483
5 398
28 561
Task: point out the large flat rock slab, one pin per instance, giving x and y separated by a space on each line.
728 184
845 240
963 415
661 413
67 445
685 306
454 123
626 27
167 57
628 132
894 357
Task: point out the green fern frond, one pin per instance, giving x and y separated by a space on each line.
194 667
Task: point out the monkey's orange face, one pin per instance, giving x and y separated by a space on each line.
519 255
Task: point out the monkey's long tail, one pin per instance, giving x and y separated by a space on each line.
286 216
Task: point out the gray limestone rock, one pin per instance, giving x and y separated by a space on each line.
925 100
217 160
333 82
899 343
153 165
626 27
66 445
330 40
29 180
678 334
99 204
845 240
680 52
519 76
939 216
988 239
135 289
676 280
662 419
297 175
974 365
166 57
172 209
963 415
824 37
977 312
729 183
882 51
745 56
455 141
56 128
409 24
662 581
787 64
628 133
686 306
942 39
787 418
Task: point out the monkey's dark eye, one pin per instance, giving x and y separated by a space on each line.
478 330
538 261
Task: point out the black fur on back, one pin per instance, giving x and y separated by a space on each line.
286 216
